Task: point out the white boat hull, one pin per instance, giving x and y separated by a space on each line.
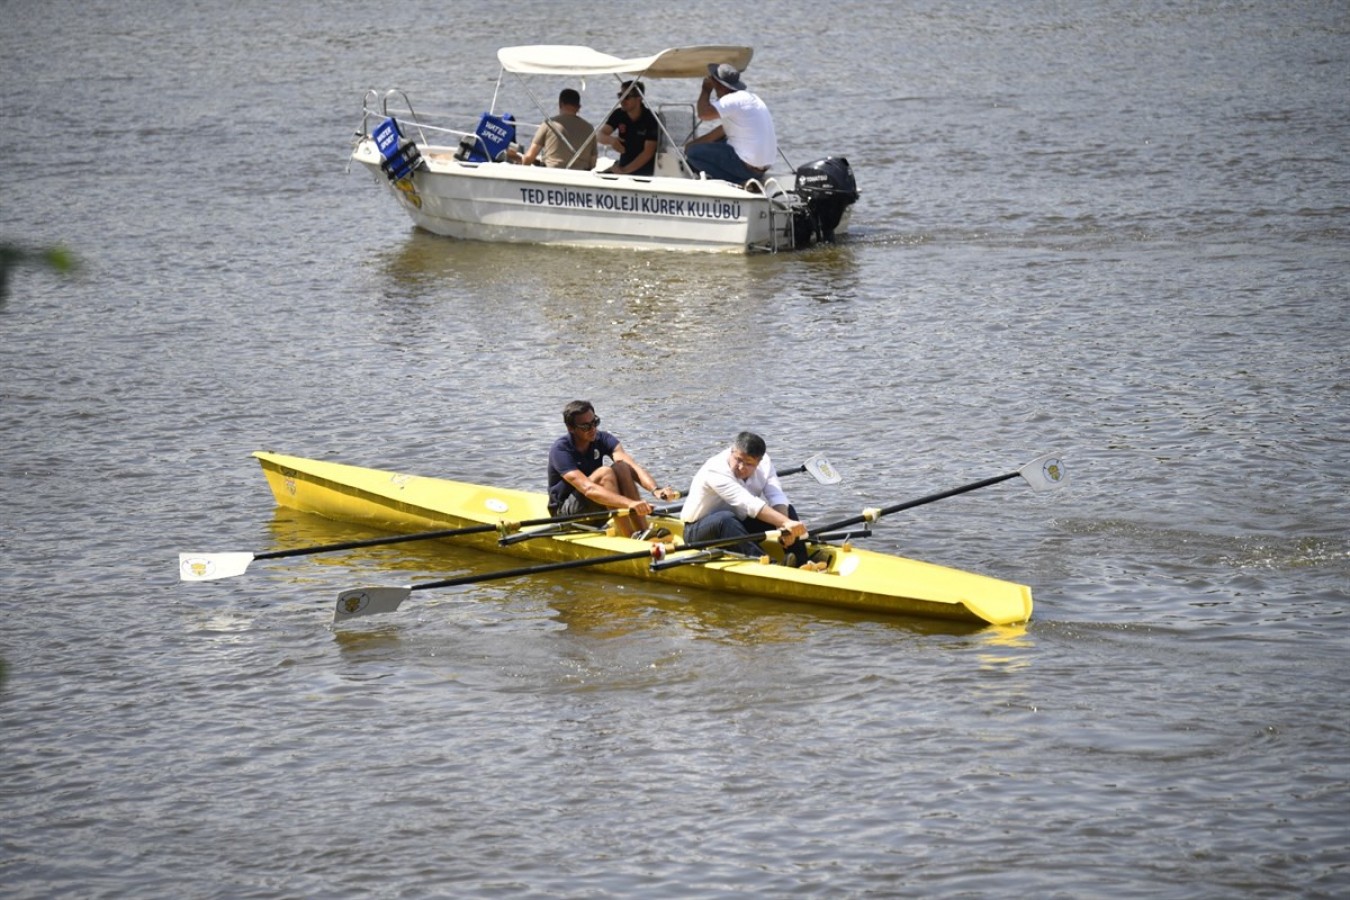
502 202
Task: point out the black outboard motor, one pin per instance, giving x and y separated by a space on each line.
827 188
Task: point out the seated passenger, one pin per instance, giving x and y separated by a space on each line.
558 139
633 131
745 144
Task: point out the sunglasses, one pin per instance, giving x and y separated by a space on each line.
587 426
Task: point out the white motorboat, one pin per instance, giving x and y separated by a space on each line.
453 178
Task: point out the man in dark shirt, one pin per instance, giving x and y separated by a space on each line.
633 131
579 481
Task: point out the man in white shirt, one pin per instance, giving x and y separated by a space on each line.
736 493
745 144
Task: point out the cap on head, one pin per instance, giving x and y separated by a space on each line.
726 74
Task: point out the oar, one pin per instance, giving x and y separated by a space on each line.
818 467
210 566
1043 474
507 540
374 600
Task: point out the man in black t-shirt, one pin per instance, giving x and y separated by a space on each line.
633 131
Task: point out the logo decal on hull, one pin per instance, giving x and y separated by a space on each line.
406 187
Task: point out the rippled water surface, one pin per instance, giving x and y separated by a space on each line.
1114 230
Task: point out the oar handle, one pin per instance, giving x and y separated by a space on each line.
559 524
432 535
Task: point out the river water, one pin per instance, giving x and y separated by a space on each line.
1116 230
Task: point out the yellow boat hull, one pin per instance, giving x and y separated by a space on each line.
855 579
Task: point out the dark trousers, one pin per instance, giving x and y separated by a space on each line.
726 524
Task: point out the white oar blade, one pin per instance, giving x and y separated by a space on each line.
1045 473
821 470
369 602
210 566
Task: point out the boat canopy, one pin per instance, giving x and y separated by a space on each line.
567 59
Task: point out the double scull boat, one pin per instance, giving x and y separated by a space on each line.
844 576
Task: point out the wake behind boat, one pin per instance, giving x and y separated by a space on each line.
843 576
452 176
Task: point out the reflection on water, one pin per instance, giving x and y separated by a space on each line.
420 260
1012 637
632 292
624 609
1004 649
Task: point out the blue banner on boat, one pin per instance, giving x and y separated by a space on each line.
401 158
386 136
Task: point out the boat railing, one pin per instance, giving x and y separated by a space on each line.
782 208
678 124
395 104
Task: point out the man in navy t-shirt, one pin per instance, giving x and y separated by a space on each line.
579 481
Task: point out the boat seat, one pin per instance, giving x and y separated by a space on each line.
489 140
677 126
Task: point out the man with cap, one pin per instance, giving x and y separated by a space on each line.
559 138
744 145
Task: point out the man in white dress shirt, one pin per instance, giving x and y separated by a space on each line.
736 493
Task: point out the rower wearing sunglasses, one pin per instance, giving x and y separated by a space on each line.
580 482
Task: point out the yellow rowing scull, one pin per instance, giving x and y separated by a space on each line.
852 578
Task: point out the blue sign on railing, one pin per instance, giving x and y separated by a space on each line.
386 136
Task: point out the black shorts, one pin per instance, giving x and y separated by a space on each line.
575 504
